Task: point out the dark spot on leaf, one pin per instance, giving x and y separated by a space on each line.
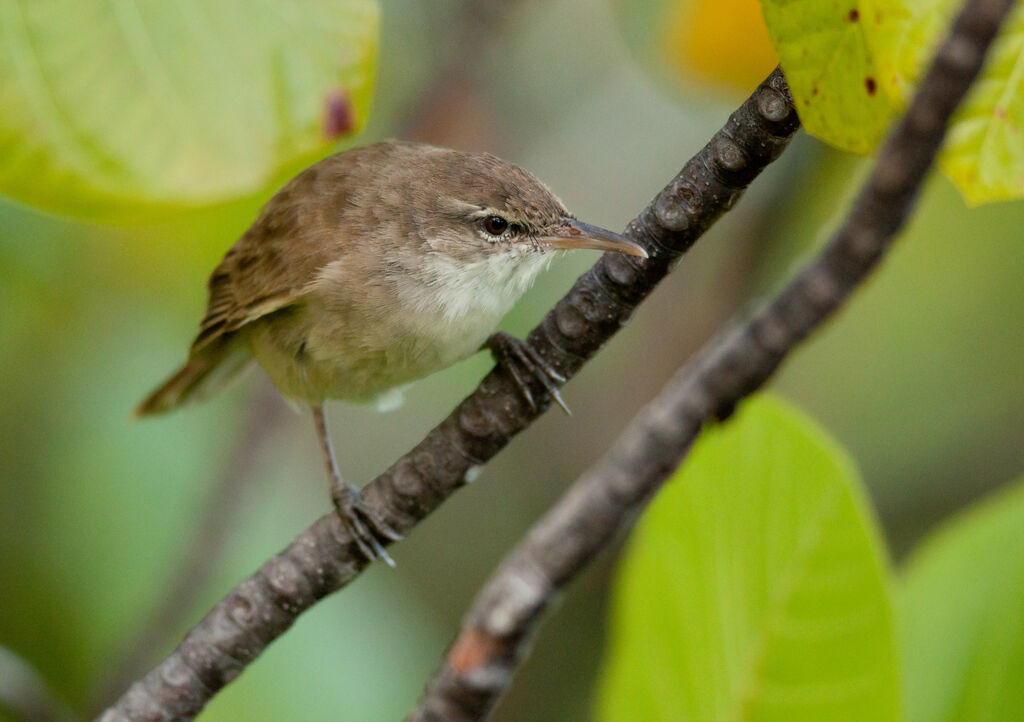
814 90
806 101
871 85
339 115
854 15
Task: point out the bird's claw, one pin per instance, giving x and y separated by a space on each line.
515 352
363 524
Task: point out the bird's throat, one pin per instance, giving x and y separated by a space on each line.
483 288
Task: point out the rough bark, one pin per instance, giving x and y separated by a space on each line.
323 558
496 633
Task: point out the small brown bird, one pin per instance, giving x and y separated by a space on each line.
373 268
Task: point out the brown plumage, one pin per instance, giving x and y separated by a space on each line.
268 268
373 268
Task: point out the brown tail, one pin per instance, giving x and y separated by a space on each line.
203 374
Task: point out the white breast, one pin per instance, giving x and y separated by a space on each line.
487 287
463 303
359 344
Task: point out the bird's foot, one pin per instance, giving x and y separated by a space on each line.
365 526
518 355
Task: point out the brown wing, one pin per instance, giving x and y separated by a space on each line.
273 263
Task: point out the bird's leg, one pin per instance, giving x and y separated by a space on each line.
516 355
367 529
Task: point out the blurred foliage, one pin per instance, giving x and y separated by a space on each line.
984 154
114 109
920 377
755 586
962 614
839 56
718 42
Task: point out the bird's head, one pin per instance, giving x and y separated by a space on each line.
480 206
468 225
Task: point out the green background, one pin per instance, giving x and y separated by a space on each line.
920 378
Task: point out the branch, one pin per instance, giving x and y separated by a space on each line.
495 636
475 23
445 107
323 558
260 421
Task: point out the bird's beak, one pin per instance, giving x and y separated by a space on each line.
577 234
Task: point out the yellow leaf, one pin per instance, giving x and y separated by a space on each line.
984 152
831 70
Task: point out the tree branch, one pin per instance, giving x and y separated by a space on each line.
495 636
323 558
472 30
475 23
210 535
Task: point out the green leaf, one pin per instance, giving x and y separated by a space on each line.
824 53
115 108
755 587
962 615
984 153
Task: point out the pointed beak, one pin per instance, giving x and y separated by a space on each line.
577 234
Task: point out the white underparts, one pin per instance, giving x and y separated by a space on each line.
488 286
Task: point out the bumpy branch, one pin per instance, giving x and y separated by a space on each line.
495 635
210 534
323 558
476 23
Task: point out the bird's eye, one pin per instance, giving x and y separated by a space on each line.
495 225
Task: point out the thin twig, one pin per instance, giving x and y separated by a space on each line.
496 634
473 29
456 77
324 558
207 543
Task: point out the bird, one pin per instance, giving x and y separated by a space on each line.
372 268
